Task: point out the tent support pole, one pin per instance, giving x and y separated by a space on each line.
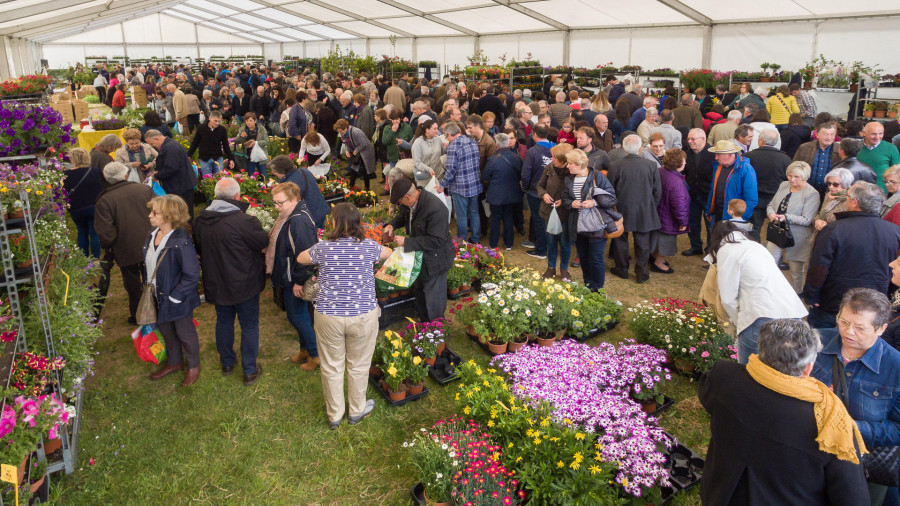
707 47
567 47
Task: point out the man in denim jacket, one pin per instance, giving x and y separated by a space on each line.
871 369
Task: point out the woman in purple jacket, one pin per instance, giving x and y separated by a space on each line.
672 209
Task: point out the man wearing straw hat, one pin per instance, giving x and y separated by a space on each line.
733 178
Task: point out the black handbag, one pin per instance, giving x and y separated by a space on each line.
881 463
779 233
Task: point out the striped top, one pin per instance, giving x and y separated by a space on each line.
346 276
577 185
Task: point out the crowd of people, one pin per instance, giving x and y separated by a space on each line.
616 165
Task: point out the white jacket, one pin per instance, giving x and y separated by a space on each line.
752 286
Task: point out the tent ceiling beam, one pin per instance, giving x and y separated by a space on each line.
306 17
134 8
687 11
429 17
357 17
532 14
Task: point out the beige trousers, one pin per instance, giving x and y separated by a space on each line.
345 342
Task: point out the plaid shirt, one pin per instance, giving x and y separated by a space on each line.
462 176
821 166
807 105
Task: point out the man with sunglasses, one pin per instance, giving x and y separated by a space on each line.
854 251
864 371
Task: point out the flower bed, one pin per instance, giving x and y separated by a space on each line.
688 332
25 85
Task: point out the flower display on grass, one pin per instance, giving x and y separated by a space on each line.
683 329
361 198
254 189
590 387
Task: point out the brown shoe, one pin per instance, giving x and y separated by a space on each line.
564 274
190 377
549 273
300 357
310 364
165 371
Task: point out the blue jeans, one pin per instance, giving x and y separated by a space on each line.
748 340
560 243
88 242
258 167
466 214
298 315
211 166
502 213
247 313
593 266
820 319
538 225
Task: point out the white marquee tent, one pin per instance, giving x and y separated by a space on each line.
680 34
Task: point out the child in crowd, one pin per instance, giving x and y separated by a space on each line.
737 208
567 133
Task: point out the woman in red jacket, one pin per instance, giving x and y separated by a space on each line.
118 101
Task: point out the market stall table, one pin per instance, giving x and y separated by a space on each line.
88 140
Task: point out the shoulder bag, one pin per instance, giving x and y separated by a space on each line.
311 287
146 310
779 232
881 463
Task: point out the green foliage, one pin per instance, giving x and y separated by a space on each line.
84 78
461 273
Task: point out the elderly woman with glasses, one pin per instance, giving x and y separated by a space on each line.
891 178
297 234
795 204
837 182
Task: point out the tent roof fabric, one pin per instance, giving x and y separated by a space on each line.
310 20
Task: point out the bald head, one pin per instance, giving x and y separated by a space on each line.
873 133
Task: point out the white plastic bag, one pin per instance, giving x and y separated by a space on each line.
257 154
430 187
554 225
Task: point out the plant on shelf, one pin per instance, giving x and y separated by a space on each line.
774 67
809 71
665 71
25 421
427 63
478 58
765 67
631 68
31 372
25 85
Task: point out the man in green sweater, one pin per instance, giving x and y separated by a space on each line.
876 153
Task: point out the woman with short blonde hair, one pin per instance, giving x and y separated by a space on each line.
83 184
171 266
139 157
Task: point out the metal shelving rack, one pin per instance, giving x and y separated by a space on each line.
524 72
12 281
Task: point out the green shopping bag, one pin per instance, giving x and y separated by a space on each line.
399 271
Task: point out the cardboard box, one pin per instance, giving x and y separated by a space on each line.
81 109
85 91
139 96
64 107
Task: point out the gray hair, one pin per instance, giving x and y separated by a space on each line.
868 195
501 139
239 91
526 93
348 95
227 188
207 93
151 134
115 172
632 144
215 114
647 100
109 143
843 175
451 128
697 131
762 91
802 168
788 345
652 111
560 96
769 137
858 300
735 114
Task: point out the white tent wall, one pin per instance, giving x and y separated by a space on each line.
272 52
546 47
449 51
18 57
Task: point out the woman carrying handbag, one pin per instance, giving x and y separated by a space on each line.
792 212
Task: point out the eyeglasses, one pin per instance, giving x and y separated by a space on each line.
835 185
279 204
857 329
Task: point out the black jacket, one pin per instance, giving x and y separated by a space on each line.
698 172
763 448
490 102
852 252
173 168
230 244
286 271
240 105
429 232
770 164
793 136
260 105
177 276
213 143
860 171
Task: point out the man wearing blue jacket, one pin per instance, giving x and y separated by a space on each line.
733 178
536 159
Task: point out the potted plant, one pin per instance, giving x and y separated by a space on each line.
765 67
416 372
774 67
881 108
432 454
394 374
869 109
460 274
428 344
893 109
31 129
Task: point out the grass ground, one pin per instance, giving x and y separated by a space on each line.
219 442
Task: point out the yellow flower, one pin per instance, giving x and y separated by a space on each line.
395 343
417 360
624 482
579 436
457 395
466 410
39 192
510 445
575 312
469 394
594 470
518 459
490 423
575 465
392 371
597 457
491 371
486 383
395 354
537 441
578 456
560 464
